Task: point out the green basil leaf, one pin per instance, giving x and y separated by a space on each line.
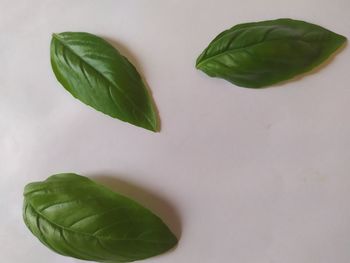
77 217
259 54
94 72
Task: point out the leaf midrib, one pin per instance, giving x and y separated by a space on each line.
90 235
104 77
234 50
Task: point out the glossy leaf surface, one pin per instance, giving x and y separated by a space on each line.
259 54
77 217
94 72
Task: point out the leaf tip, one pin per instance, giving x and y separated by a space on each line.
154 127
198 61
54 35
344 39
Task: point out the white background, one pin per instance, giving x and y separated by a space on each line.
240 175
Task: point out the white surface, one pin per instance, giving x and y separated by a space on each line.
250 176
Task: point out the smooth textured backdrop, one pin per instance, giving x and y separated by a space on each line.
240 175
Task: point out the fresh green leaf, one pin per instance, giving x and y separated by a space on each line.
259 54
77 217
94 72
